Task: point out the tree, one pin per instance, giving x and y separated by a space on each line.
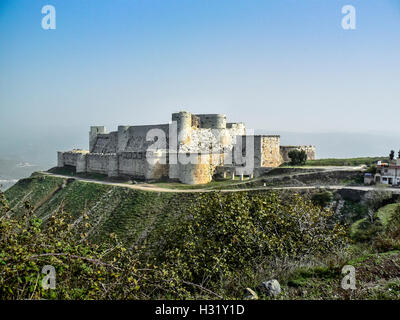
322 198
84 270
297 157
222 236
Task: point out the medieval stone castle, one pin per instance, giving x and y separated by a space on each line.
192 149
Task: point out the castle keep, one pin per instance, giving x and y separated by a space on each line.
191 150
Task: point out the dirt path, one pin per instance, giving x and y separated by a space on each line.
296 174
149 187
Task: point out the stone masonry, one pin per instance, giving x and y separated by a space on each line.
189 150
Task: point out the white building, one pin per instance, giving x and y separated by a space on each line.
388 173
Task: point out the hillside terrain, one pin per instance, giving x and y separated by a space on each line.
131 214
176 228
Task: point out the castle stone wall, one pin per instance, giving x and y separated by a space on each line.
206 137
266 150
206 140
184 121
197 173
212 121
112 165
155 166
133 138
93 133
97 163
70 159
270 152
60 159
132 164
81 163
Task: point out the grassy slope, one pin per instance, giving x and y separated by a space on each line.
383 214
131 214
386 212
33 189
345 162
377 277
215 184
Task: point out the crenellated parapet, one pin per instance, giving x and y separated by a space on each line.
93 134
155 151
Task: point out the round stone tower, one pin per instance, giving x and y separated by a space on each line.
184 126
212 121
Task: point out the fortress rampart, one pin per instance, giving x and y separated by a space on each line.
188 150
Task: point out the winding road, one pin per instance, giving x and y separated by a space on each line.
154 188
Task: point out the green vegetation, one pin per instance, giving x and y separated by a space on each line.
218 183
297 157
376 273
70 171
128 213
375 253
346 162
109 242
371 169
157 245
322 198
380 229
214 184
385 213
222 237
303 276
36 189
84 270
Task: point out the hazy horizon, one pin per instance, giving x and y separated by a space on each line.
276 65
283 67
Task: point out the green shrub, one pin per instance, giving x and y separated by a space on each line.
322 198
306 276
371 169
297 157
366 231
224 235
346 162
389 238
83 270
217 239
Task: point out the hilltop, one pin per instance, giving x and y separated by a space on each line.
147 214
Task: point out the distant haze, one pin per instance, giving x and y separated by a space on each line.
40 146
285 67
33 150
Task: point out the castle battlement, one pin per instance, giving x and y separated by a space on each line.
195 145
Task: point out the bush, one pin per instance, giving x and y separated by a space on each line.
322 198
366 230
217 239
297 157
389 239
222 236
83 270
371 169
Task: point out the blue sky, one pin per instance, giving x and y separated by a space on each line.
277 65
